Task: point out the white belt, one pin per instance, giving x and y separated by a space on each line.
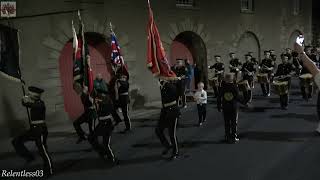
105 117
170 104
124 94
37 122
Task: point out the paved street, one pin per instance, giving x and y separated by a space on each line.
274 145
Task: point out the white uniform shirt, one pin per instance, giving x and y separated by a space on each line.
201 97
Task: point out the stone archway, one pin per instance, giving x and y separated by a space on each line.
248 41
189 45
99 51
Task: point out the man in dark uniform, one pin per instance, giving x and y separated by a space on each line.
104 127
122 97
38 131
288 53
218 72
88 116
181 71
267 66
253 59
273 55
248 70
297 63
235 65
228 102
168 117
284 72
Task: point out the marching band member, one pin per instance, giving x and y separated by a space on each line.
248 70
267 66
88 116
219 71
273 55
235 65
297 63
181 71
253 59
38 131
228 103
104 127
168 117
283 74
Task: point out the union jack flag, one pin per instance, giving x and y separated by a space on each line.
116 56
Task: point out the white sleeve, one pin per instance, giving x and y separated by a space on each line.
317 79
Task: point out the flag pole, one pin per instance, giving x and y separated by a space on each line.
19 58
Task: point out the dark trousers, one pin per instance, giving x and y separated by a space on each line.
38 134
123 104
284 100
202 112
248 94
127 121
265 87
104 129
306 92
168 119
86 117
230 124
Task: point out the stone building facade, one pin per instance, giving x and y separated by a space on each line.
193 29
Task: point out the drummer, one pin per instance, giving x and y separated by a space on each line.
248 70
284 72
218 72
296 62
267 66
235 64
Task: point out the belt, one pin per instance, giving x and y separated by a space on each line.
105 118
170 104
123 94
92 107
37 122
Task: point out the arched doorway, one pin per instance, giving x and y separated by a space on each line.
293 37
249 42
100 54
189 45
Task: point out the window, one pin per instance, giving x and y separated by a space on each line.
185 3
296 7
247 6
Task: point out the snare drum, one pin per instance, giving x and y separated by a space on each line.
263 78
305 80
281 87
244 85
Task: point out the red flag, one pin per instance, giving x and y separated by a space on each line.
156 57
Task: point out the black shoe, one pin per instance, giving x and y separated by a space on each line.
235 140
81 139
174 156
284 108
317 133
